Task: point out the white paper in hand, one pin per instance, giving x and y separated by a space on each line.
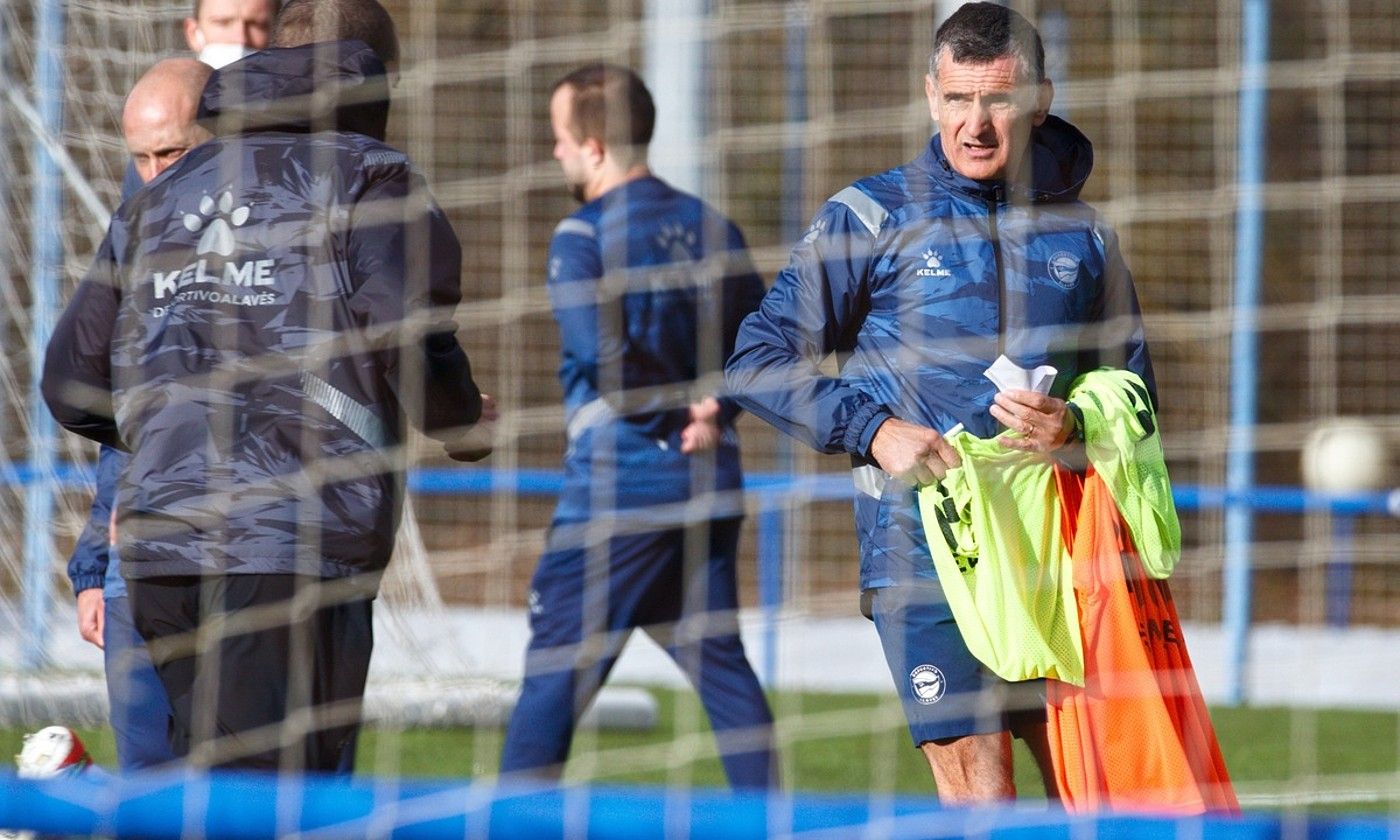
1007 375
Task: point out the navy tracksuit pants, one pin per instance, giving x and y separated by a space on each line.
676 584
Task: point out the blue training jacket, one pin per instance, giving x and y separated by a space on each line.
259 325
918 279
649 286
93 564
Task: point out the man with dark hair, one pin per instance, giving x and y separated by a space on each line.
592 91
920 278
315 21
648 286
259 327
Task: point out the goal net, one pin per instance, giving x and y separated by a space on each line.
1290 594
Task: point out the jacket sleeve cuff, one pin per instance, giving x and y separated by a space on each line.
729 411
860 431
84 582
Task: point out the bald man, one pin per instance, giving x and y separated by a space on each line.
219 33
159 126
158 121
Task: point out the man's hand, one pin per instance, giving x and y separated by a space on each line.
91 615
474 443
703 431
913 454
1044 422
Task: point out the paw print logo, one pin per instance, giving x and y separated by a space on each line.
678 242
218 232
932 258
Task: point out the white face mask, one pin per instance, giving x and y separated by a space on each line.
222 55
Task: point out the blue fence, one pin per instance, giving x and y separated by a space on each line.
772 495
174 804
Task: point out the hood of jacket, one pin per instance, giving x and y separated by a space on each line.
1059 162
330 86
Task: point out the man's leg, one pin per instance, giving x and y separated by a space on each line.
964 767
1031 729
140 712
262 661
971 769
570 654
957 710
345 641
246 681
165 611
705 644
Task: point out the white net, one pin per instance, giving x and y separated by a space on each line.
797 101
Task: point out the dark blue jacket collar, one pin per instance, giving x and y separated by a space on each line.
1059 163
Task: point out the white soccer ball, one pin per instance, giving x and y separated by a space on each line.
1346 455
52 751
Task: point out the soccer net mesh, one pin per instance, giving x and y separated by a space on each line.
781 104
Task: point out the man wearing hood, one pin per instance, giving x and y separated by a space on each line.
919 278
259 327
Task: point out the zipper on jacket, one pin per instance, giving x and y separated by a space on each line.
992 203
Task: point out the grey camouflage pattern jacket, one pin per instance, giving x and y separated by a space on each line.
260 325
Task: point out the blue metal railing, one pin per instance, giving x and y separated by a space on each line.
772 494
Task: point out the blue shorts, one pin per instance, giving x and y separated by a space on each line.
945 691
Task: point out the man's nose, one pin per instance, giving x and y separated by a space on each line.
977 113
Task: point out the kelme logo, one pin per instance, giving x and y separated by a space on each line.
933 265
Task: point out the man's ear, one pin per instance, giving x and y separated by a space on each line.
1044 95
594 151
931 92
194 37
